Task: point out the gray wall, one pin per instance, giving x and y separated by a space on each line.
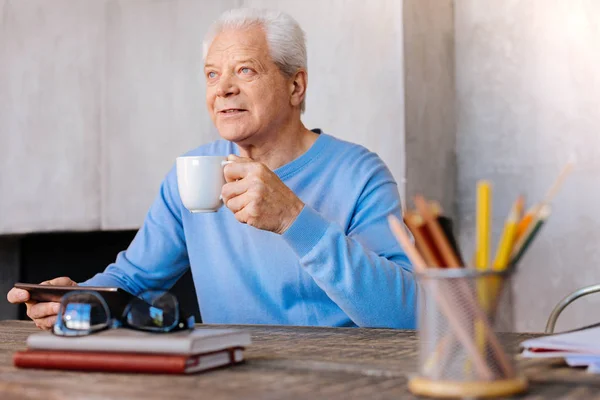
154 99
430 101
528 92
51 76
99 97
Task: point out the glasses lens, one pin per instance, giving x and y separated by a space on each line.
153 311
83 312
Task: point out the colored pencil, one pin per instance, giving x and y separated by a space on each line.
446 225
507 240
484 210
502 259
482 258
449 259
525 241
416 224
402 238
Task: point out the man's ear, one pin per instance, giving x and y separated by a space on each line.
298 87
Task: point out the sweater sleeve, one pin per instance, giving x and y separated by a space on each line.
362 269
157 256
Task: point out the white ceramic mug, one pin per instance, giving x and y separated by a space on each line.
200 179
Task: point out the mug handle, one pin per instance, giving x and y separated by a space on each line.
224 163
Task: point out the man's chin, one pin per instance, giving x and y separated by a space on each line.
236 136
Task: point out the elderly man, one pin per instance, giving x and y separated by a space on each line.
302 238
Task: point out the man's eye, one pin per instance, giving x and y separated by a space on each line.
211 75
245 70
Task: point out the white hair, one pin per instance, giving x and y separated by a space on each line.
285 38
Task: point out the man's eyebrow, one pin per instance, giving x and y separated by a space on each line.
239 61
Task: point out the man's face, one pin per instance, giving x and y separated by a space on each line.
246 93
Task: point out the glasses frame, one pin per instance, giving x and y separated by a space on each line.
60 329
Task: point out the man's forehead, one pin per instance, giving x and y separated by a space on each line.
238 44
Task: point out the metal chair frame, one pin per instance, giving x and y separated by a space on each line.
584 291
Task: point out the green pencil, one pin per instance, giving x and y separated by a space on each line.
525 242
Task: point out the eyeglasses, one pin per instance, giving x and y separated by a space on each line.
85 312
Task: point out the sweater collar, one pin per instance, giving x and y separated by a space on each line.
309 155
297 164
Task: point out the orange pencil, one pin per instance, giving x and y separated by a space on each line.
526 220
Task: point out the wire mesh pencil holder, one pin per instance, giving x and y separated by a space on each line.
460 355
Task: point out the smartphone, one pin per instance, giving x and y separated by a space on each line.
116 298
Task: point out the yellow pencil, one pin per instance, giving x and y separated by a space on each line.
504 251
507 240
482 258
484 208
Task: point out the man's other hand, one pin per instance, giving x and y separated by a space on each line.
43 313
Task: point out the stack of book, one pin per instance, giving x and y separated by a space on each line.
126 350
578 349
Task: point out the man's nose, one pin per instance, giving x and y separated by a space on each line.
227 86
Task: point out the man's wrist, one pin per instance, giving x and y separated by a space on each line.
295 210
306 231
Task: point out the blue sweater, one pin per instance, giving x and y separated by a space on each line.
337 264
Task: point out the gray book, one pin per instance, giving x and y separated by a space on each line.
197 341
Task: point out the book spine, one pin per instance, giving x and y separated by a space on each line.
100 362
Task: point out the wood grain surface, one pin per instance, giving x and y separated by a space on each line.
282 363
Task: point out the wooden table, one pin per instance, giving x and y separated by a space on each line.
282 363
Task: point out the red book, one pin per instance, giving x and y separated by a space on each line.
127 362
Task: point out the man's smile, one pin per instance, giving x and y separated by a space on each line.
231 111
